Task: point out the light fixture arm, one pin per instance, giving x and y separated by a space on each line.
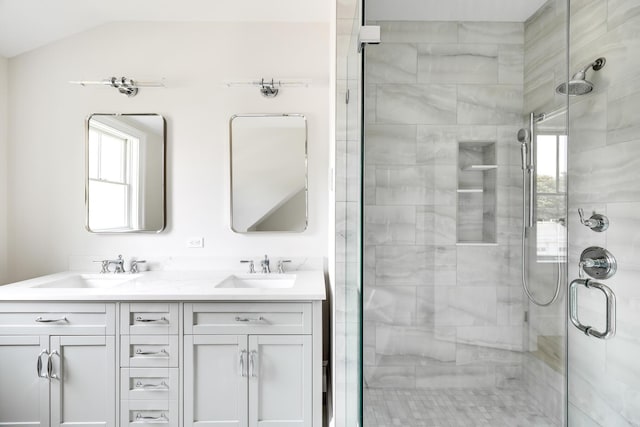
125 86
270 88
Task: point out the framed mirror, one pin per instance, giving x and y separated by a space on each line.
268 173
125 173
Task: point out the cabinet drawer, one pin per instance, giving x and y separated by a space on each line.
149 383
247 318
152 412
149 318
149 351
57 318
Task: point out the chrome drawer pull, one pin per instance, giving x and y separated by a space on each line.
162 418
142 352
41 319
39 364
162 386
144 320
250 319
610 330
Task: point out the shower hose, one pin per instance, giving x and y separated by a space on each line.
525 285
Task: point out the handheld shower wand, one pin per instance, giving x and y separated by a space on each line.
524 137
527 157
527 154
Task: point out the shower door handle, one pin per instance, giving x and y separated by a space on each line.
610 330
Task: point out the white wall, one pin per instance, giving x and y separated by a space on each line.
4 88
46 153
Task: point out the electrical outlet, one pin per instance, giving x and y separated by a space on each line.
195 242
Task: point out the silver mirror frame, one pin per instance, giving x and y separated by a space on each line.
164 174
306 171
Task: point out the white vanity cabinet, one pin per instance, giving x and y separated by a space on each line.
57 364
251 365
178 363
149 363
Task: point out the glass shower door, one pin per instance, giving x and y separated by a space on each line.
347 320
604 177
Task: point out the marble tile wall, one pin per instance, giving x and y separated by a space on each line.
438 314
604 148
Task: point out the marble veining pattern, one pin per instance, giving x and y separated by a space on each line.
416 103
443 63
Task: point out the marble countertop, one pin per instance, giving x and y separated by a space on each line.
163 286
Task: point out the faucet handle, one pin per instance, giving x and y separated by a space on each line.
281 265
104 266
134 265
251 266
596 222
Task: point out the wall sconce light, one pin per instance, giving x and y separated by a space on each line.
270 88
125 86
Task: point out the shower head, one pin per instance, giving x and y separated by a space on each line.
579 85
575 87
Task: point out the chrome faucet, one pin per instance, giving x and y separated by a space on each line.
119 263
264 264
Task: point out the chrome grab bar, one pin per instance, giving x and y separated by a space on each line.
162 386
145 320
610 330
39 364
41 319
142 352
250 319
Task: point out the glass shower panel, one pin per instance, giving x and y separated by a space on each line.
347 351
604 172
447 328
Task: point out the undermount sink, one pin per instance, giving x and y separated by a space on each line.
259 281
89 281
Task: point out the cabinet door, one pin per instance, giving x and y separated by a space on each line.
24 396
280 378
215 382
83 391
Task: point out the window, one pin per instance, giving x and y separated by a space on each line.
551 197
113 179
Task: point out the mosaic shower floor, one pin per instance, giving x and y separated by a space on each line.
451 408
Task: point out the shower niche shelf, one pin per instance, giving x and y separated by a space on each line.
477 183
480 167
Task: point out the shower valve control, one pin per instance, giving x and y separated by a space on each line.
598 263
596 222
